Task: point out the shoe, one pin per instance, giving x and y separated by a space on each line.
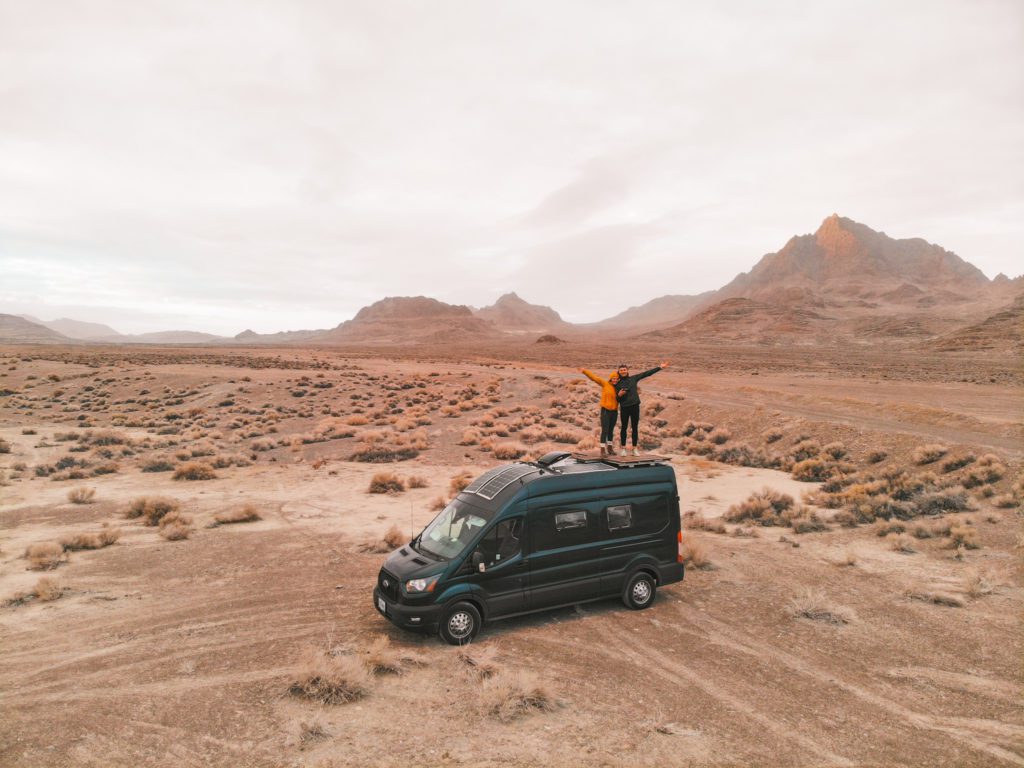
611 449
604 450
622 451
636 452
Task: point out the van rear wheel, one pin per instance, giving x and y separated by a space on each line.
639 591
460 623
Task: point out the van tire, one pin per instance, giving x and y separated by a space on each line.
460 623
639 591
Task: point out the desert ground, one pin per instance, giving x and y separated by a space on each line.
188 538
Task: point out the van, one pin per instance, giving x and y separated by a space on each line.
525 537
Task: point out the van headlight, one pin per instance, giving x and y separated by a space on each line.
416 586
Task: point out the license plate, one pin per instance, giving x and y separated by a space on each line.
382 605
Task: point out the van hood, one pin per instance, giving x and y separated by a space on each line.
406 563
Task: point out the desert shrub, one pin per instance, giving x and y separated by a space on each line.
834 451
81 495
742 455
47 589
696 521
158 465
876 457
1005 501
986 470
806 521
937 502
885 527
417 481
383 658
805 449
328 679
81 541
175 526
386 482
245 514
194 470
385 454
926 454
151 509
394 538
507 451
695 555
459 482
900 542
764 507
958 462
773 435
814 605
508 695
962 535
5 447
45 557
470 437
720 435
437 504
811 471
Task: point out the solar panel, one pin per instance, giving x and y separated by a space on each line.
490 484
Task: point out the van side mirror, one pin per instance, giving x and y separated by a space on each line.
478 562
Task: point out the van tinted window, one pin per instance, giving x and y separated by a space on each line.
644 514
620 517
562 528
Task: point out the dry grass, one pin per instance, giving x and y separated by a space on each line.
175 526
45 556
695 555
459 482
81 541
926 454
936 598
978 584
510 695
437 504
151 509
483 661
764 507
814 605
245 514
847 559
963 535
328 679
82 495
194 470
417 481
394 538
695 520
506 451
382 658
900 542
386 482
309 732
47 589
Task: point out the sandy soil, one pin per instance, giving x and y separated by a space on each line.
170 653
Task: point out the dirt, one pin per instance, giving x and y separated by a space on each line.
170 653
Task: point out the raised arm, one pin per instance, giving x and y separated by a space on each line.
596 379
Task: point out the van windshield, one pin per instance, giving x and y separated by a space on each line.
453 530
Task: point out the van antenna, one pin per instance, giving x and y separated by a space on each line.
412 533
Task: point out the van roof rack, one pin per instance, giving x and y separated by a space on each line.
643 460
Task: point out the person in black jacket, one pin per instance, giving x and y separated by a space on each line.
629 404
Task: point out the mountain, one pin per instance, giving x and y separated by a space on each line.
76 329
513 314
846 282
405 319
660 312
281 337
17 330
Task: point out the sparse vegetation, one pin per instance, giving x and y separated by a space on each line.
81 495
386 482
926 454
328 679
508 695
45 556
814 605
194 470
244 514
151 509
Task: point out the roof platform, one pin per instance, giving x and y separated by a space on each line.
643 460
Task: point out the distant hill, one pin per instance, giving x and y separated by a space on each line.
17 330
1003 330
76 329
409 319
281 337
657 313
513 314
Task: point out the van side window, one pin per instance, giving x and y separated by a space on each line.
566 521
502 542
620 517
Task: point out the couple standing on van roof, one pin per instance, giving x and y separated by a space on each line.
620 395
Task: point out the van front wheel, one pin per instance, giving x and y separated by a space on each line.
460 623
639 592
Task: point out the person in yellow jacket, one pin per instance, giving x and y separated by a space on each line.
609 408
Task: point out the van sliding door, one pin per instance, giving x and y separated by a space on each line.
563 541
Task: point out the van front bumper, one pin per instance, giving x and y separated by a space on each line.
406 616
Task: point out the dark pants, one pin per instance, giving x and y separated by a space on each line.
630 413
608 419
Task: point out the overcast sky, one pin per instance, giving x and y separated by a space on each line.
277 165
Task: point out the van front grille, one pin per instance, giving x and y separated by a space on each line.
388 585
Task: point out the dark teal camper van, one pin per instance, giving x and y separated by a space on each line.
526 537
